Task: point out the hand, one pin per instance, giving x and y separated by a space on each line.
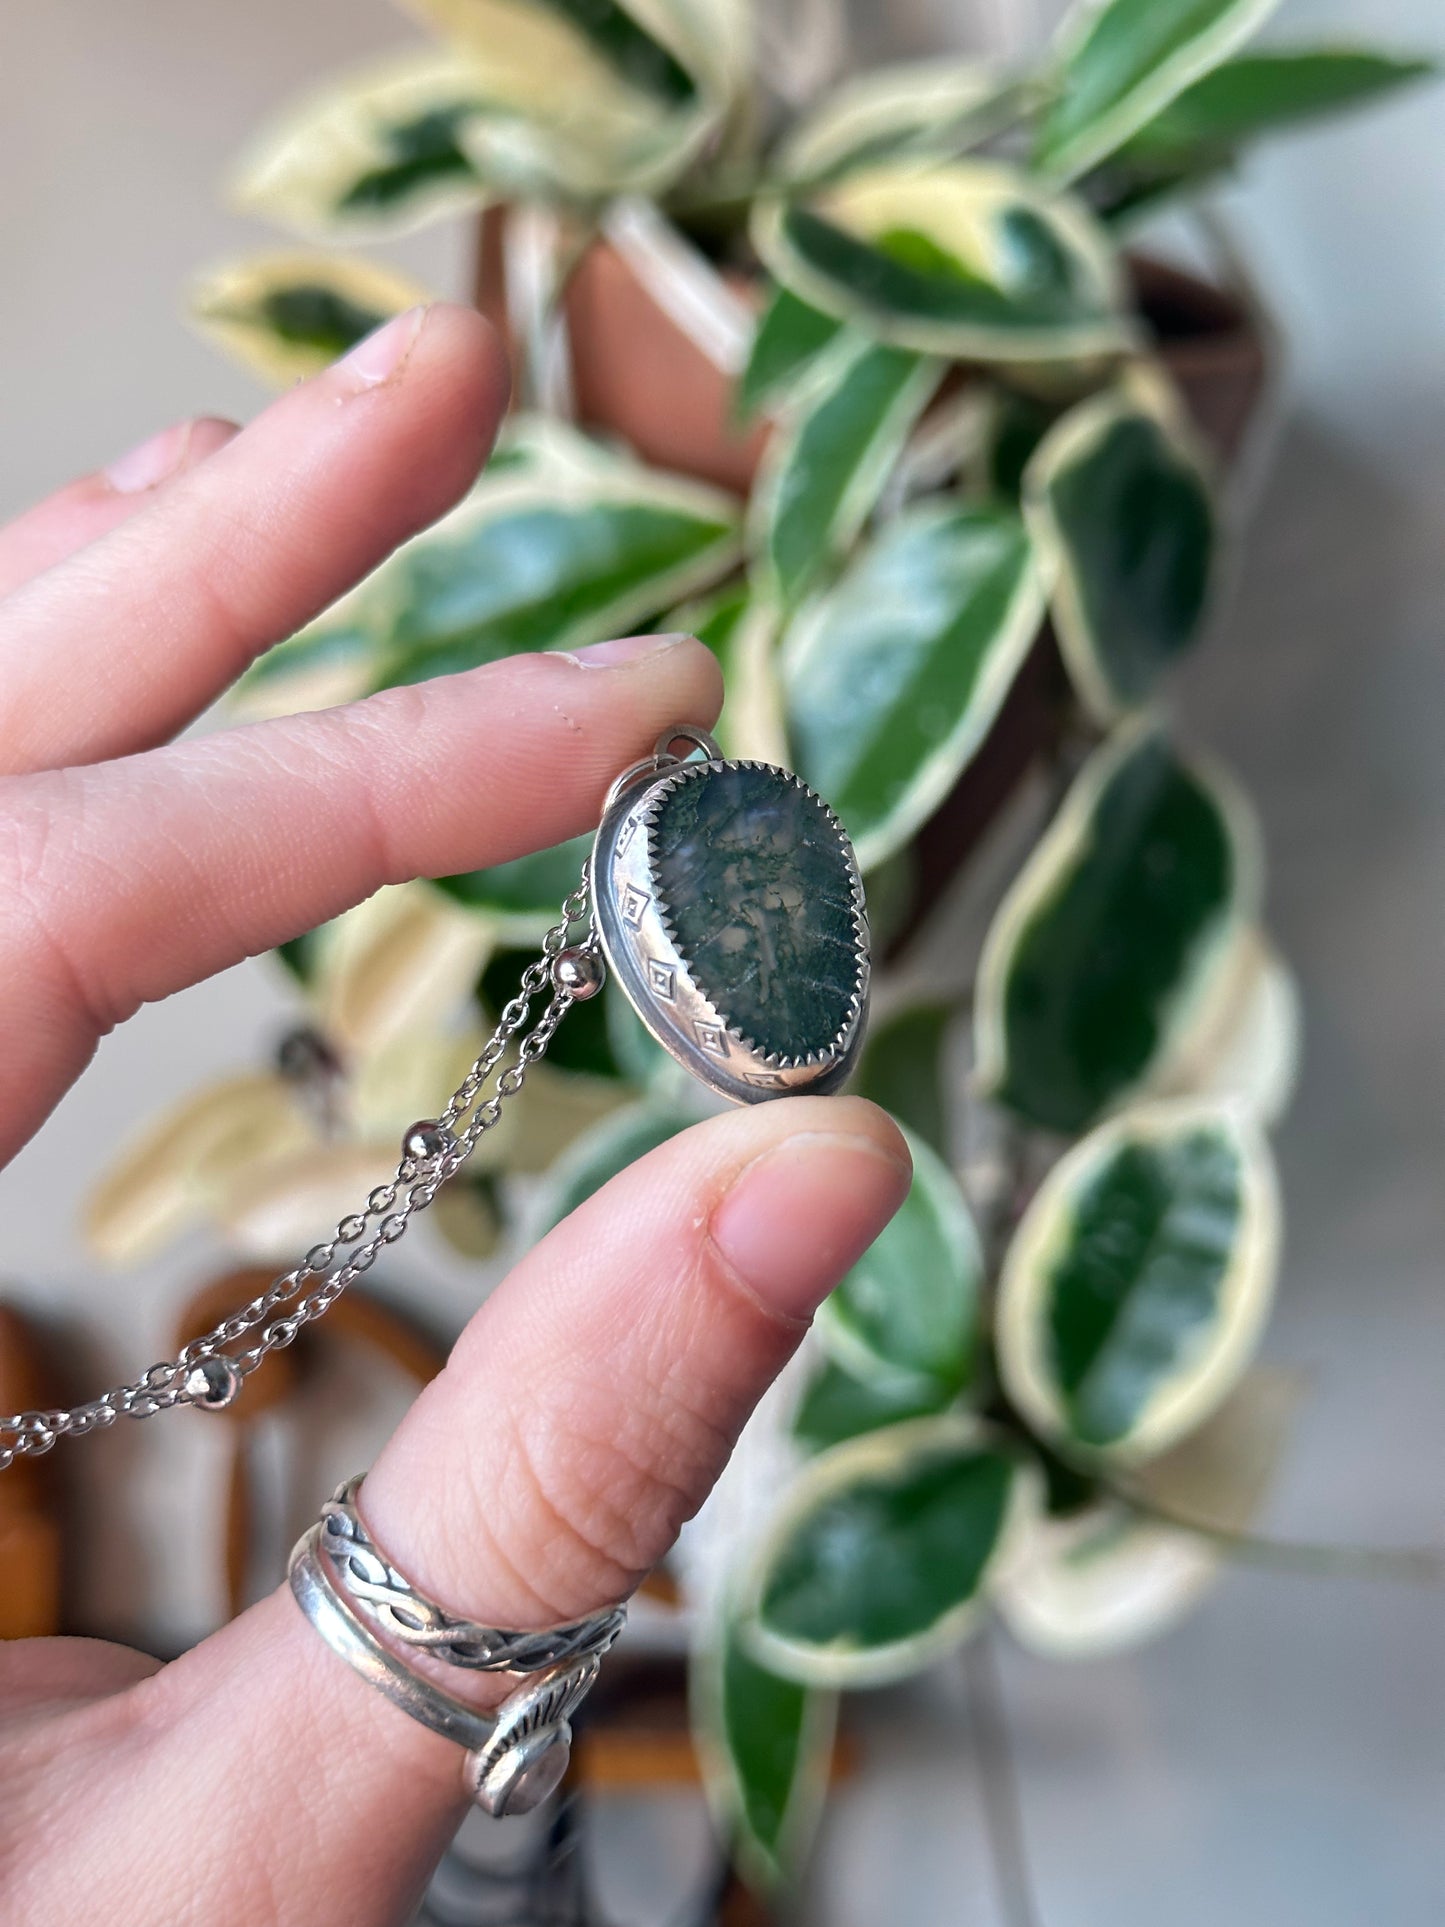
588 1408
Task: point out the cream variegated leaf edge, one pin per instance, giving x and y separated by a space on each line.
1063 845
758 1863
751 725
833 1471
1143 390
562 118
1242 1045
933 108
825 380
299 169
937 774
960 197
1237 24
1112 1577
839 1337
1187 1396
542 464
225 305
395 962
166 1176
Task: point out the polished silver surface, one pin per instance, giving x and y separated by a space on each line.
515 1757
632 924
426 1141
401 1611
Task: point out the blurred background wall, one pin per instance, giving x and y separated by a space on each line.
1281 1758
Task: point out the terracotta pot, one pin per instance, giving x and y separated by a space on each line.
638 375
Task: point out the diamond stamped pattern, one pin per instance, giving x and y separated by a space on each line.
753 879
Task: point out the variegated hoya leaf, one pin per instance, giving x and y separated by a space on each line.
917 111
789 337
540 561
1243 1045
375 153
905 1069
1118 500
893 679
522 898
1111 938
1137 1285
586 98
827 464
287 316
969 259
742 632
618 1141
765 1745
908 1310
167 1178
879 1556
1256 93
836 1406
1121 62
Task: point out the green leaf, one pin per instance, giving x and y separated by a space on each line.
909 1309
542 561
332 661
892 680
601 1153
1112 936
528 890
765 1745
836 1406
1257 93
789 337
375 153
580 99
925 110
288 316
1109 1577
1118 501
904 1069
1121 62
878 1557
969 259
828 462
1137 1285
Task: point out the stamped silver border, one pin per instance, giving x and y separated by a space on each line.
642 952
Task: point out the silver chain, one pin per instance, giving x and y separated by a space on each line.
313 1286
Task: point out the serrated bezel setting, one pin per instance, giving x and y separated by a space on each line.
642 951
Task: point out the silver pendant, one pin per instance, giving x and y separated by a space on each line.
730 909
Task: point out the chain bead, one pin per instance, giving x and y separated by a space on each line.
212 1384
207 1373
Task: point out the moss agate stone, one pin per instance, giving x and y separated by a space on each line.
755 883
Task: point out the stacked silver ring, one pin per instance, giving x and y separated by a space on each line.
358 1602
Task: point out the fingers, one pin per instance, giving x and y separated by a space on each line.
123 882
91 507
123 644
585 1413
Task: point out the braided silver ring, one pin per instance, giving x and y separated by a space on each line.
352 1595
404 1613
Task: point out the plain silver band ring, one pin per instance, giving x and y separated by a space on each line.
348 1635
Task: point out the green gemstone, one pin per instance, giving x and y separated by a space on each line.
755 881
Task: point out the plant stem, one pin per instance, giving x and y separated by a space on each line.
1418 1565
998 1776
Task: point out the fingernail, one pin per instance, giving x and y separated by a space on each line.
607 655
805 1211
378 356
151 461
